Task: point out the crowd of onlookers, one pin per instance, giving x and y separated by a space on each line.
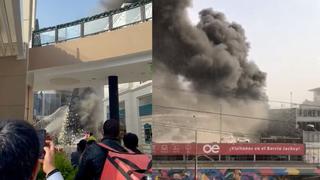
19 152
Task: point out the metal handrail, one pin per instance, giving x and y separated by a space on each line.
36 35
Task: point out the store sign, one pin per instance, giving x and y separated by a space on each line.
229 149
208 148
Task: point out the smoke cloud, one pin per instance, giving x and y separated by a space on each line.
212 55
90 110
203 68
109 5
53 123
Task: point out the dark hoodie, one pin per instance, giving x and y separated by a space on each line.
131 142
93 158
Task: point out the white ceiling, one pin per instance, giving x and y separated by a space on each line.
130 68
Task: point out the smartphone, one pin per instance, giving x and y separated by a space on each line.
42 141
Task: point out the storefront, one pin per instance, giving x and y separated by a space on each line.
228 152
244 174
218 161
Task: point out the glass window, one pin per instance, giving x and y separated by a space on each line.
122 114
167 158
237 157
208 158
272 158
296 158
145 105
147 133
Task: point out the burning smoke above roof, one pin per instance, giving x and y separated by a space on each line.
212 55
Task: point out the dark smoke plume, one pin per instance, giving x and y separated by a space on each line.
211 55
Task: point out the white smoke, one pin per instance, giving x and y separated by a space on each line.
90 112
109 5
53 123
180 111
89 108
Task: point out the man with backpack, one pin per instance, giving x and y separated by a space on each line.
94 156
108 160
75 156
131 142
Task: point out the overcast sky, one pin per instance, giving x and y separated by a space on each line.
284 37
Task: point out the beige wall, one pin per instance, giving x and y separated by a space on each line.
129 40
12 88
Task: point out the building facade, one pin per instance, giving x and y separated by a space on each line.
135 110
308 120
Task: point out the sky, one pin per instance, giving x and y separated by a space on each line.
284 38
51 13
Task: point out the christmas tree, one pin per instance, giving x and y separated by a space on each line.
71 128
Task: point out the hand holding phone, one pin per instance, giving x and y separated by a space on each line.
48 161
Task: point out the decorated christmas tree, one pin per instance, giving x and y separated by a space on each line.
71 128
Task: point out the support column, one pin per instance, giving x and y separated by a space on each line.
113 97
13 88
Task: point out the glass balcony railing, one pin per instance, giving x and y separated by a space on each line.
96 26
134 13
69 32
126 17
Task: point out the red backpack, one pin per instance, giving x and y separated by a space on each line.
125 165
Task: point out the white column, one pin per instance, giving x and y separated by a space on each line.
131 113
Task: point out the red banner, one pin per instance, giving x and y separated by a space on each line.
228 149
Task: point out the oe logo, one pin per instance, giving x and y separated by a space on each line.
215 148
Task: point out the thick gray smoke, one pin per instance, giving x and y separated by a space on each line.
212 55
203 68
90 110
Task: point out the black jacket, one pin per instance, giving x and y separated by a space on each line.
75 156
93 158
136 150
